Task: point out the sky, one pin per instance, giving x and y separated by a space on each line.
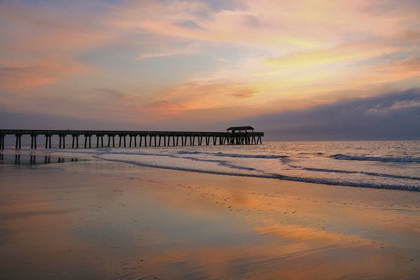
298 70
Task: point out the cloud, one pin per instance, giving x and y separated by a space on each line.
109 93
57 121
245 93
345 53
199 95
40 43
188 24
389 116
292 26
42 72
203 60
92 104
50 29
190 49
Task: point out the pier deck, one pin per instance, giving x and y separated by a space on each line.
145 138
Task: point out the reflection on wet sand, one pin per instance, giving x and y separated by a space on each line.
162 224
31 159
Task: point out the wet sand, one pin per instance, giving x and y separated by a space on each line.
103 220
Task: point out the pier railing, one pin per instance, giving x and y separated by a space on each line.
145 138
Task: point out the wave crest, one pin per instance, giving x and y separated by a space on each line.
380 159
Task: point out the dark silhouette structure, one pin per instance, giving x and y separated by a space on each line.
242 129
243 135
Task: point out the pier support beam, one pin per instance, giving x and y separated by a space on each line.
122 137
48 141
111 137
88 138
18 141
145 140
62 142
2 142
33 141
75 141
99 138
135 140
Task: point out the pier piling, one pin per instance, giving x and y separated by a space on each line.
2 141
18 141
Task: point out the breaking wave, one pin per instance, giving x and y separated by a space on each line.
273 176
380 159
331 163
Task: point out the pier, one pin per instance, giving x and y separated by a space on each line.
243 135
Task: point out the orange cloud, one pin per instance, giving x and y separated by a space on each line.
38 73
200 96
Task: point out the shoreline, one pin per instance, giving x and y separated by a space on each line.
98 219
96 153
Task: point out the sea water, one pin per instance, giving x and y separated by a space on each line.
372 164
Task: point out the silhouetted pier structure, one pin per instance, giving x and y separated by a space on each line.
233 136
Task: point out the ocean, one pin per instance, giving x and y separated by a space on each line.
100 214
369 164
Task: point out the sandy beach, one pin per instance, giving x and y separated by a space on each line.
106 220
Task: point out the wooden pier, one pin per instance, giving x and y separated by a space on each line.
233 136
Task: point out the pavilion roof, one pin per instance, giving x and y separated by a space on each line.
233 128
